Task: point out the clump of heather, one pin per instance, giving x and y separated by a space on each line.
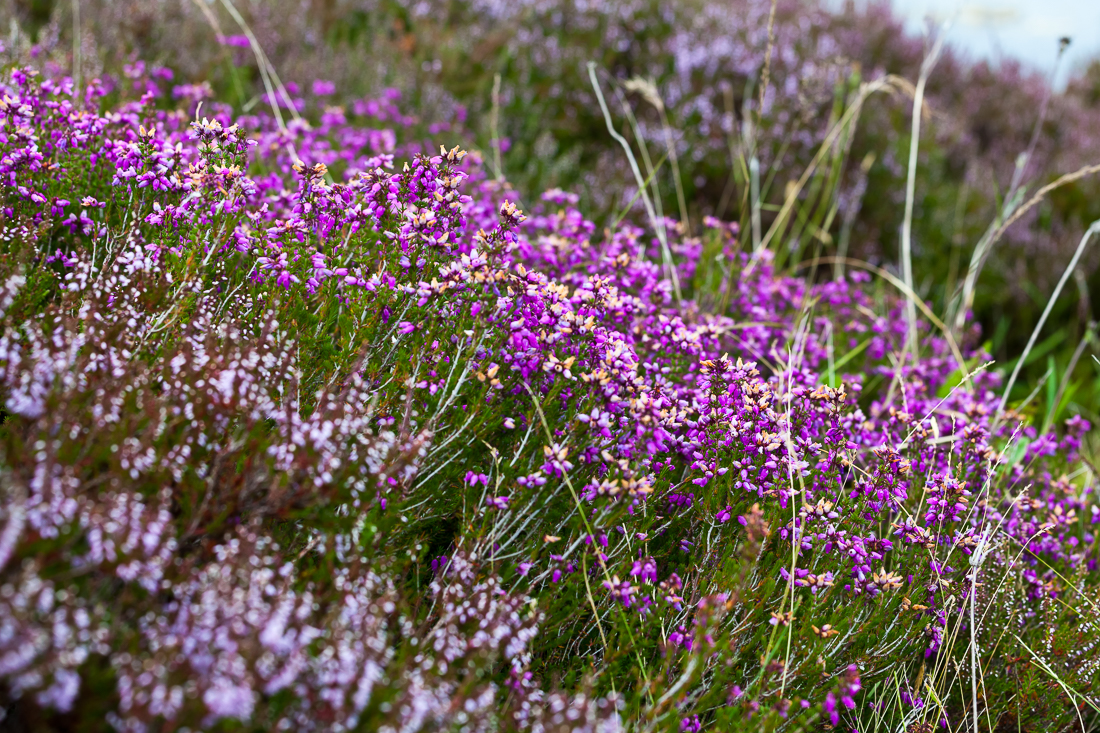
309 428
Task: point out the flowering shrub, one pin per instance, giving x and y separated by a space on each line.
307 426
683 78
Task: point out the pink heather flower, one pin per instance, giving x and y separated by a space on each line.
474 478
225 699
829 708
62 693
285 279
237 41
680 637
645 570
1078 425
193 92
323 88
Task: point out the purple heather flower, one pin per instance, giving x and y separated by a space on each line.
235 41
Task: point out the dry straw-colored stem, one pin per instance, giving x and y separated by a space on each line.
985 246
1093 229
1041 194
889 84
267 70
910 189
666 252
1011 211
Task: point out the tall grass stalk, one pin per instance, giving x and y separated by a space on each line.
1012 212
866 89
1093 229
911 183
666 253
652 95
651 170
1025 160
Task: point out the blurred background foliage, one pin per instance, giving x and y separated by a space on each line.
700 89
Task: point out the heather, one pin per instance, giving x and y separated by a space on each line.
312 423
706 97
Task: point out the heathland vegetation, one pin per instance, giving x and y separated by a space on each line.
546 365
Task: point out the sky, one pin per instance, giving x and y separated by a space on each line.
1026 29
